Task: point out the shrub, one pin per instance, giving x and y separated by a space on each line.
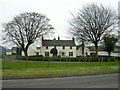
68 59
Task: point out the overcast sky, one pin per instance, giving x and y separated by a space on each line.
58 11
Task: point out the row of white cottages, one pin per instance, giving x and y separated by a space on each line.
65 48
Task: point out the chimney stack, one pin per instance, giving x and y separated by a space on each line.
42 38
58 38
73 38
54 38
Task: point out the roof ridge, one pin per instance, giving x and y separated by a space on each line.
58 43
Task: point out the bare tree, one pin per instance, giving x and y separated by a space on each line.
91 23
25 28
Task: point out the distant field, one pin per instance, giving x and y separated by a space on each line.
17 69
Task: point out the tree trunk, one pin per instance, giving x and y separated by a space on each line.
26 54
96 49
25 50
82 48
109 53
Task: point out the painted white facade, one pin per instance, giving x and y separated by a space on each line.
32 50
60 50
8 53
79 51
104 53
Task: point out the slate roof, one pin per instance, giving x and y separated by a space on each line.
116 50
91 48
58 43
3 50
100 48
14 48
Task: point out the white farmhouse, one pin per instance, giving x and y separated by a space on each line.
65 48
32 51
79 51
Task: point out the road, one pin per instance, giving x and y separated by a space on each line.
94 81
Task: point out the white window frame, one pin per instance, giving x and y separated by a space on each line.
70 53
63 53
46 54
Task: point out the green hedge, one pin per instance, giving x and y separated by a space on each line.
67 59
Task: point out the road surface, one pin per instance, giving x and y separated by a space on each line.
94 81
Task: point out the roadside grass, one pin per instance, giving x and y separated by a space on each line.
0 68
6 56
17 69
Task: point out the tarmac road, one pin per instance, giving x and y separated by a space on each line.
94 81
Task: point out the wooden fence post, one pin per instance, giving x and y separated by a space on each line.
85 60
66 60
60 59
26 65
48 62
102 59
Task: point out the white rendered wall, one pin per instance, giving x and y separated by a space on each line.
60 49
104 53
79 51
31 51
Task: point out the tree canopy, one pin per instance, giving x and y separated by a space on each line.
109 42
25 28
91 23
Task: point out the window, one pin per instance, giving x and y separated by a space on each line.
63 47
63 53
38 48
46 54
46 47
70 53
70 47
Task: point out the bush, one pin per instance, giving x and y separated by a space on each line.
68 59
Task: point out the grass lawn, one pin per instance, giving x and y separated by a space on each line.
5 56
0 68
18 69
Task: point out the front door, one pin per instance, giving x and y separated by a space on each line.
54 51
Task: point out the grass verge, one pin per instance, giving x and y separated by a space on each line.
6 56
17 69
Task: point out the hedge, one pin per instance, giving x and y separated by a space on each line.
68 59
